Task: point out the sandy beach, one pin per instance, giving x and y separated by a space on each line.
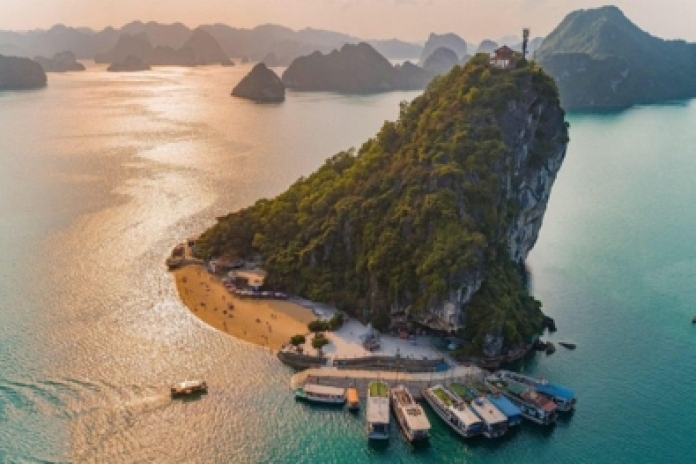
268 323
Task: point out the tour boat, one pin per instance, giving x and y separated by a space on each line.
353 399
321 394
453 411
533 405
500 401
495 423
189 387
563 397
377 413
409 414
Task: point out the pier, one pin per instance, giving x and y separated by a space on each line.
359 379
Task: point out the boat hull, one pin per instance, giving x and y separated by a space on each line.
412 436
303 396
444 415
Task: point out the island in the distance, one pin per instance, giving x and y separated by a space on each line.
61 62
130 64
600 59
261 85
431 220
355 68
20 73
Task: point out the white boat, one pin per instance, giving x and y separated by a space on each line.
377 411
563 397
534 406
409 414
495 423
189 387
321 394
453 410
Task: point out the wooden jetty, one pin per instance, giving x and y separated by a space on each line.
359 379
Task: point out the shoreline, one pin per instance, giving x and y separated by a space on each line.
267 323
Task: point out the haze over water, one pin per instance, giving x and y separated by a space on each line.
103 173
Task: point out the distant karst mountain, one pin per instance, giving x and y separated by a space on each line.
261 85
441 61
600 59
61 62
487 46
451 41
200 49
18 73
206 50
129 64
354 69
255 44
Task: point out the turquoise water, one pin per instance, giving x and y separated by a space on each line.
102 174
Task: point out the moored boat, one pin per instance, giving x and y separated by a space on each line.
495 423
453 410
504 405
321 394
377 411
188 388
533 405
353 399
563 397
409 414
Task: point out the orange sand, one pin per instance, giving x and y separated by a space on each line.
268 323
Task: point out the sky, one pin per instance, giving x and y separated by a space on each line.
410 20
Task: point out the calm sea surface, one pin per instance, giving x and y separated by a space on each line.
101 174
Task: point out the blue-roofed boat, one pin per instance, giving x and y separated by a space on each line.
563 397
533 405
500 401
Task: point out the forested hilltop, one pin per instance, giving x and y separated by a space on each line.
600 59
434 216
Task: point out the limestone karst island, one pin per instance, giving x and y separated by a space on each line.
427 226
347 232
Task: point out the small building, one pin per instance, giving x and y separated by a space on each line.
503 58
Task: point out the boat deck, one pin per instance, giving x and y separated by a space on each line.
415 382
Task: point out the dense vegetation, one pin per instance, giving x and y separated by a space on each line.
601 59
424 202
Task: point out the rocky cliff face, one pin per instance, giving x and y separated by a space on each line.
536 136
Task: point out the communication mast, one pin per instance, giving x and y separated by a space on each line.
525 39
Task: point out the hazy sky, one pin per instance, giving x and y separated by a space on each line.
405 19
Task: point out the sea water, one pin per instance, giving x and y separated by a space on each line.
101 174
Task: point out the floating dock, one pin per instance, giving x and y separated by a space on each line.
359 379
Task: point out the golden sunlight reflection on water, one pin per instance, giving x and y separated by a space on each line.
117 169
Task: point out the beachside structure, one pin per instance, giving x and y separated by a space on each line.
409 414
453 410
321 394
377 412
